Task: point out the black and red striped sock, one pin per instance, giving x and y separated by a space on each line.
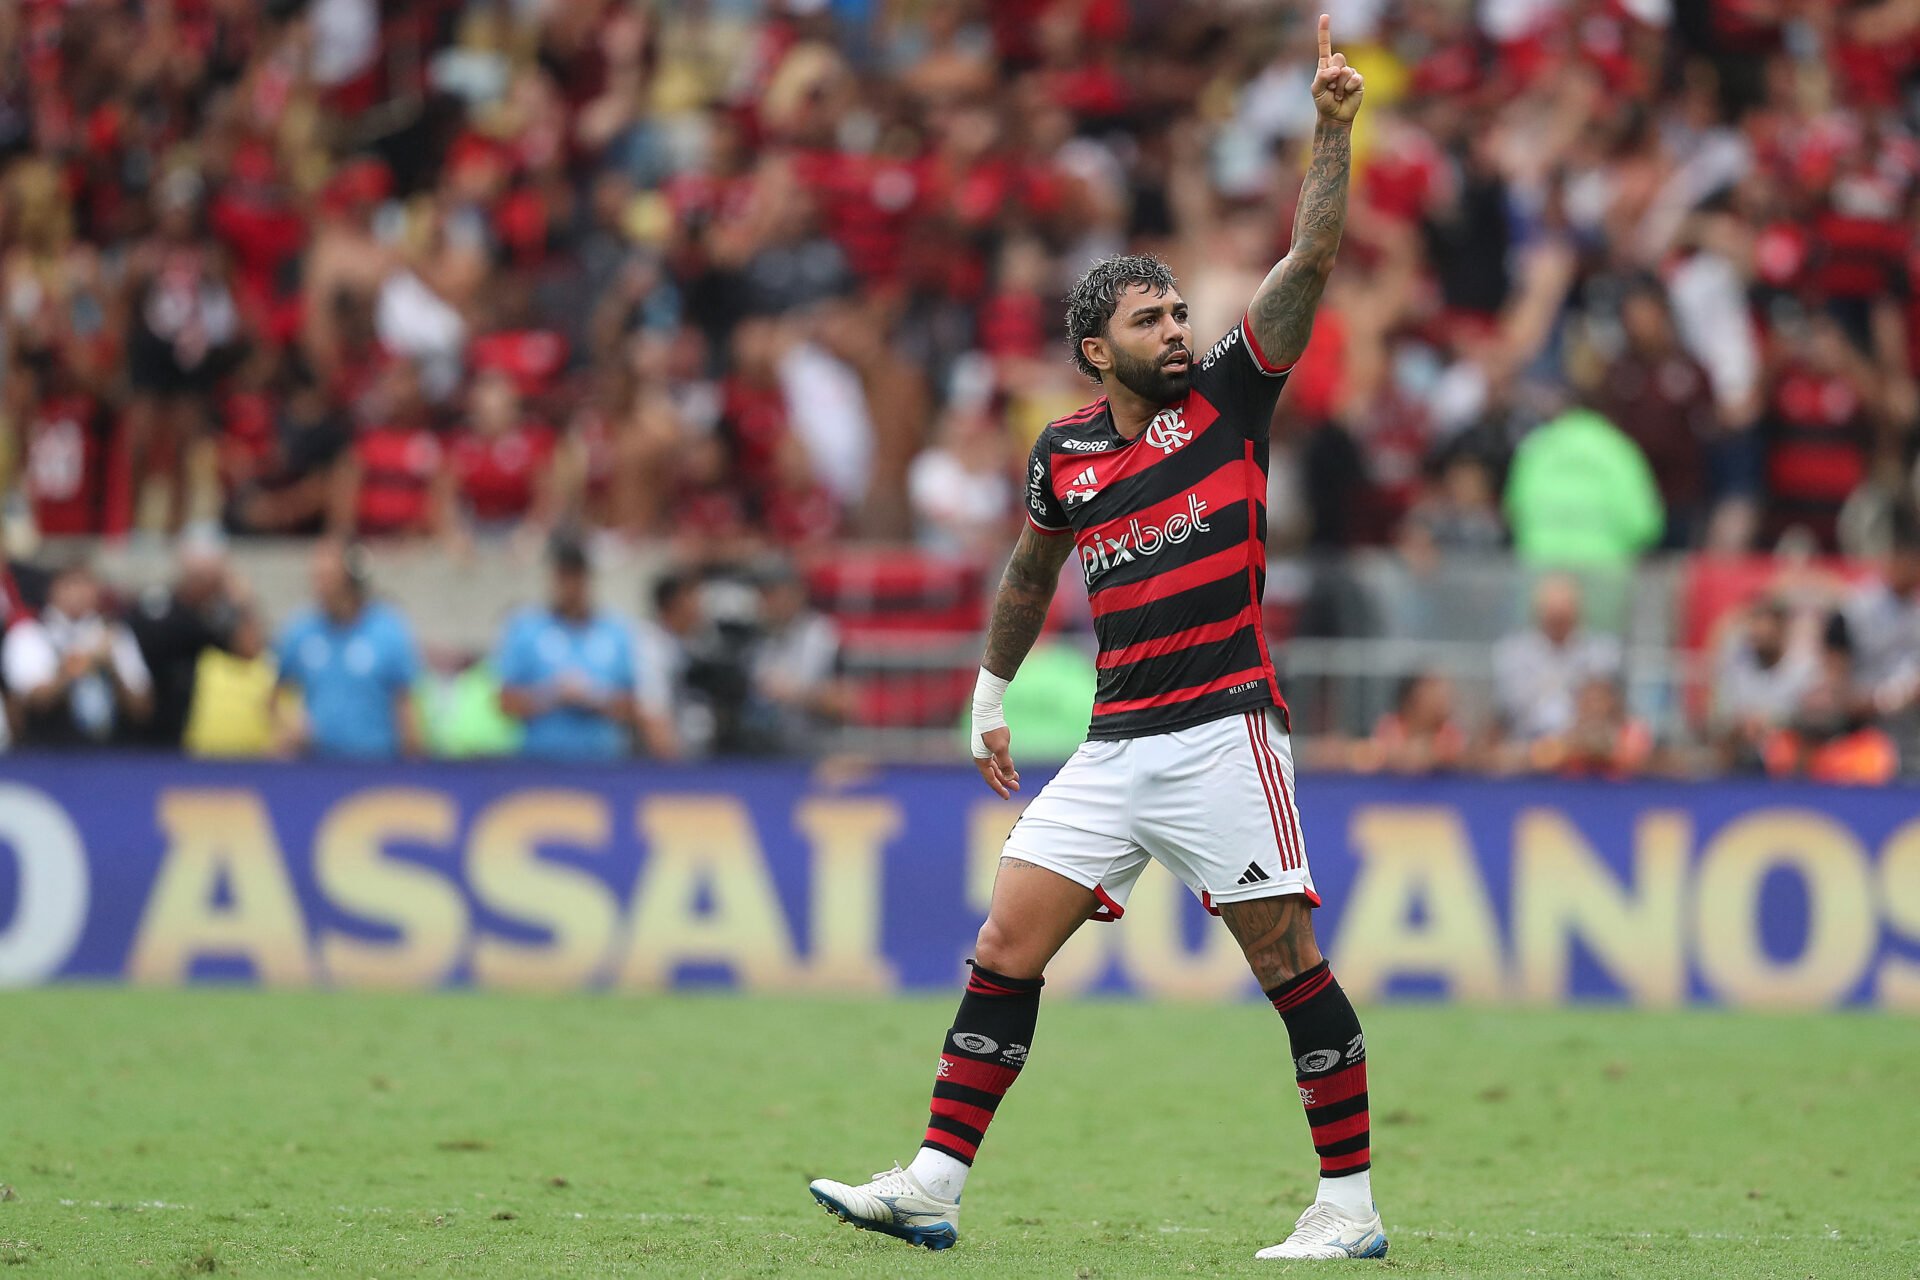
982 1056
1330 1066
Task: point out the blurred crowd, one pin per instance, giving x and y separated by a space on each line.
743 277
1815 675
728 663
1619 274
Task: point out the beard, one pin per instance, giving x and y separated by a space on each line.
1148 380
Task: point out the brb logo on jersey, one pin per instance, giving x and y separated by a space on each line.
1102 552
1168 430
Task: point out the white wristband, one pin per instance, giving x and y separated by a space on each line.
988 692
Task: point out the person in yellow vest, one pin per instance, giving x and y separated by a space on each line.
233 692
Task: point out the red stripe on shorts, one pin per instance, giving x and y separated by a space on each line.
1280 778
1268 785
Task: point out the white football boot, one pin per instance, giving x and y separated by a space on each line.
893 1203
1326 1231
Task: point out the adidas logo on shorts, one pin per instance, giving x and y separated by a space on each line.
1253 875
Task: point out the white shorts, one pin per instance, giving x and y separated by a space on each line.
1213 803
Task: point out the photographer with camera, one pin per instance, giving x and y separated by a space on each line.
75 674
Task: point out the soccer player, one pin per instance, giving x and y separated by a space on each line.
1158 489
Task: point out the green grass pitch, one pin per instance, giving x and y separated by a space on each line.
250 1133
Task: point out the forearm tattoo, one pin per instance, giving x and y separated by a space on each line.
1282 311
1020 606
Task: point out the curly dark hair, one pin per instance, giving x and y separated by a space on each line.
1091 303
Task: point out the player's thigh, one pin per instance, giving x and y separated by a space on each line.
1216 805
1068 859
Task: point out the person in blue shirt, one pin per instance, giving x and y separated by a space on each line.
353 660
568 670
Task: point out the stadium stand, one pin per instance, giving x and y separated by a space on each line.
775 282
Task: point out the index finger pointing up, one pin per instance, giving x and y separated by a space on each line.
1326 38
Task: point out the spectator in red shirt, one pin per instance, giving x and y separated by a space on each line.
1818 429
64 453
387 487
1603 740
1421 734
499 473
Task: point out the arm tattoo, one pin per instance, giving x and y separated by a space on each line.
1282 311
1020 606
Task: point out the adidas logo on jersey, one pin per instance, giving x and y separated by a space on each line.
1253 875
1075 493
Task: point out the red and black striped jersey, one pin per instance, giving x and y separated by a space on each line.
1171 531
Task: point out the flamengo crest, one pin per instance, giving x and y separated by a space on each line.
1169 430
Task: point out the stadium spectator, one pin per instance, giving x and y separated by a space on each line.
458 705
183 335
176 625
285 468
1830 737
232 715
1458 513
961 493
1819 427
58 353
352 660
65 448
1883 630
73 673
1760 676
1602 741
1420 735
797 689
1580 494
499 476
567 671
1538 672
1661 398
388 487
667 642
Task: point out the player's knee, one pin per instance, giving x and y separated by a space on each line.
998 949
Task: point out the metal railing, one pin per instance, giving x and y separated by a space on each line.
1336 689
1392 622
